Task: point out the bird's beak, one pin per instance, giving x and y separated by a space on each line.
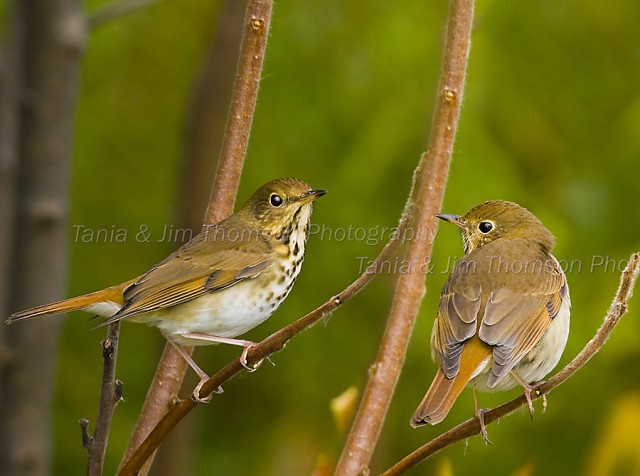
455 219
311 195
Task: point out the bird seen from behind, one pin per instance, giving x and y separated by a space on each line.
503 316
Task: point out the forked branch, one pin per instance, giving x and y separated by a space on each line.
110 395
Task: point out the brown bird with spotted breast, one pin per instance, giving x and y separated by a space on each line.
503 317
222 283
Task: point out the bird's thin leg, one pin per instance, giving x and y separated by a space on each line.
479 412
203 376
528 390
246 344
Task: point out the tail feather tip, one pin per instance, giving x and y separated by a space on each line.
419 421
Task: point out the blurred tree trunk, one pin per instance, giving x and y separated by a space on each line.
51 36
204 129
10 79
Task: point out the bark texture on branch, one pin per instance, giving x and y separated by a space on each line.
110 395
426 200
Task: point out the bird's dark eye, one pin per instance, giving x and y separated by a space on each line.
485 226
275 200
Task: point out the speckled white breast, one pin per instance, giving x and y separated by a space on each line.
235 310
228 313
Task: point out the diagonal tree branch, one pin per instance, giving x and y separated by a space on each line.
472 427
273 343
431 178
171 369
267 347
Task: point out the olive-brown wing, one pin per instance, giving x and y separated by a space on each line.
515 321
192 272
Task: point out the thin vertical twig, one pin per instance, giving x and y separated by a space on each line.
171 369
110 395
472 427
431 177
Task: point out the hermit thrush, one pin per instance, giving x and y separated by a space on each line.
503 317
222 283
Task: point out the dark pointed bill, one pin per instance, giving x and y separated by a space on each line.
455 219
313 194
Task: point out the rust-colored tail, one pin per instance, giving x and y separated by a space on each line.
112 294
443 391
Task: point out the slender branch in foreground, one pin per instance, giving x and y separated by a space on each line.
116 10
431 177
264 349
172 367
472 427
110 395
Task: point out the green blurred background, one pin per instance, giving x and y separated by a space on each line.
551 119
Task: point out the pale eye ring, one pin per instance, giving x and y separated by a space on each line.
276 200
485 226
